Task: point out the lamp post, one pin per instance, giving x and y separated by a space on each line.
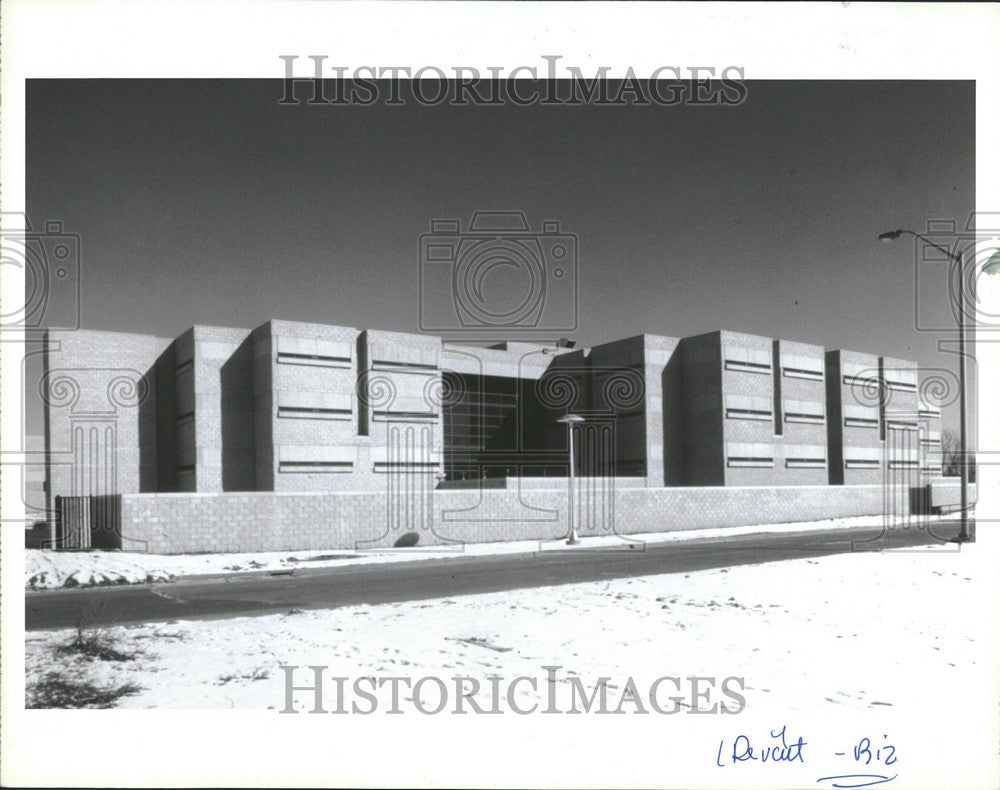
963 528
569 421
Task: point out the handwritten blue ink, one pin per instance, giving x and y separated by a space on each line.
859 780
783 752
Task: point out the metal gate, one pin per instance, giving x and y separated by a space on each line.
89 522
902 476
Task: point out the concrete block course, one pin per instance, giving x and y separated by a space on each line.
264 521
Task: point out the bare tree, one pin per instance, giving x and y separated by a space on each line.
951 456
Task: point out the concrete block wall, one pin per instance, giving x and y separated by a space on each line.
265 467
33 490
704 439
403 391
931 458
181 371
176 523
565 387
800 414
874 422
637 381
223 383
664 411
748 420
854 393
900 418
99 392
308 412
619 384
754 411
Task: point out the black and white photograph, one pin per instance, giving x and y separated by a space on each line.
387 405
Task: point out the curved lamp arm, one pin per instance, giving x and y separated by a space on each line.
892 235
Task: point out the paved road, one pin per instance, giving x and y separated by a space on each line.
327 588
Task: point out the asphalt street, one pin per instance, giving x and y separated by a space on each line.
241 594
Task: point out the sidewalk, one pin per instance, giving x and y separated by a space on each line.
47 570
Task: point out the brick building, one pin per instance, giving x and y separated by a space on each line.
296 435
296 407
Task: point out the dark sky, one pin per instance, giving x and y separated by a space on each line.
205 202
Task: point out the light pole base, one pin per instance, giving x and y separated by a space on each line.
966 532
573 539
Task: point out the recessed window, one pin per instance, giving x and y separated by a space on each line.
805 463
404 416
313 360
903 463
419 367
861 463
860 381
315 467
748 414
803 373
901 425
747 367
860 422
749 461
304 413
816 419
422 467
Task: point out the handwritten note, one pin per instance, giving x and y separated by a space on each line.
865 762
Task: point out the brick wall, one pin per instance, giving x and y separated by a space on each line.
264 521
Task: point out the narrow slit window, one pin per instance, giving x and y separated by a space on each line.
747 461
315 467
309 413
314 360
805 463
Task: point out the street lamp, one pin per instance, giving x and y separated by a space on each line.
963 529
569 421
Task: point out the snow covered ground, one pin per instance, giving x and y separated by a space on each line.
54 569
858 631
